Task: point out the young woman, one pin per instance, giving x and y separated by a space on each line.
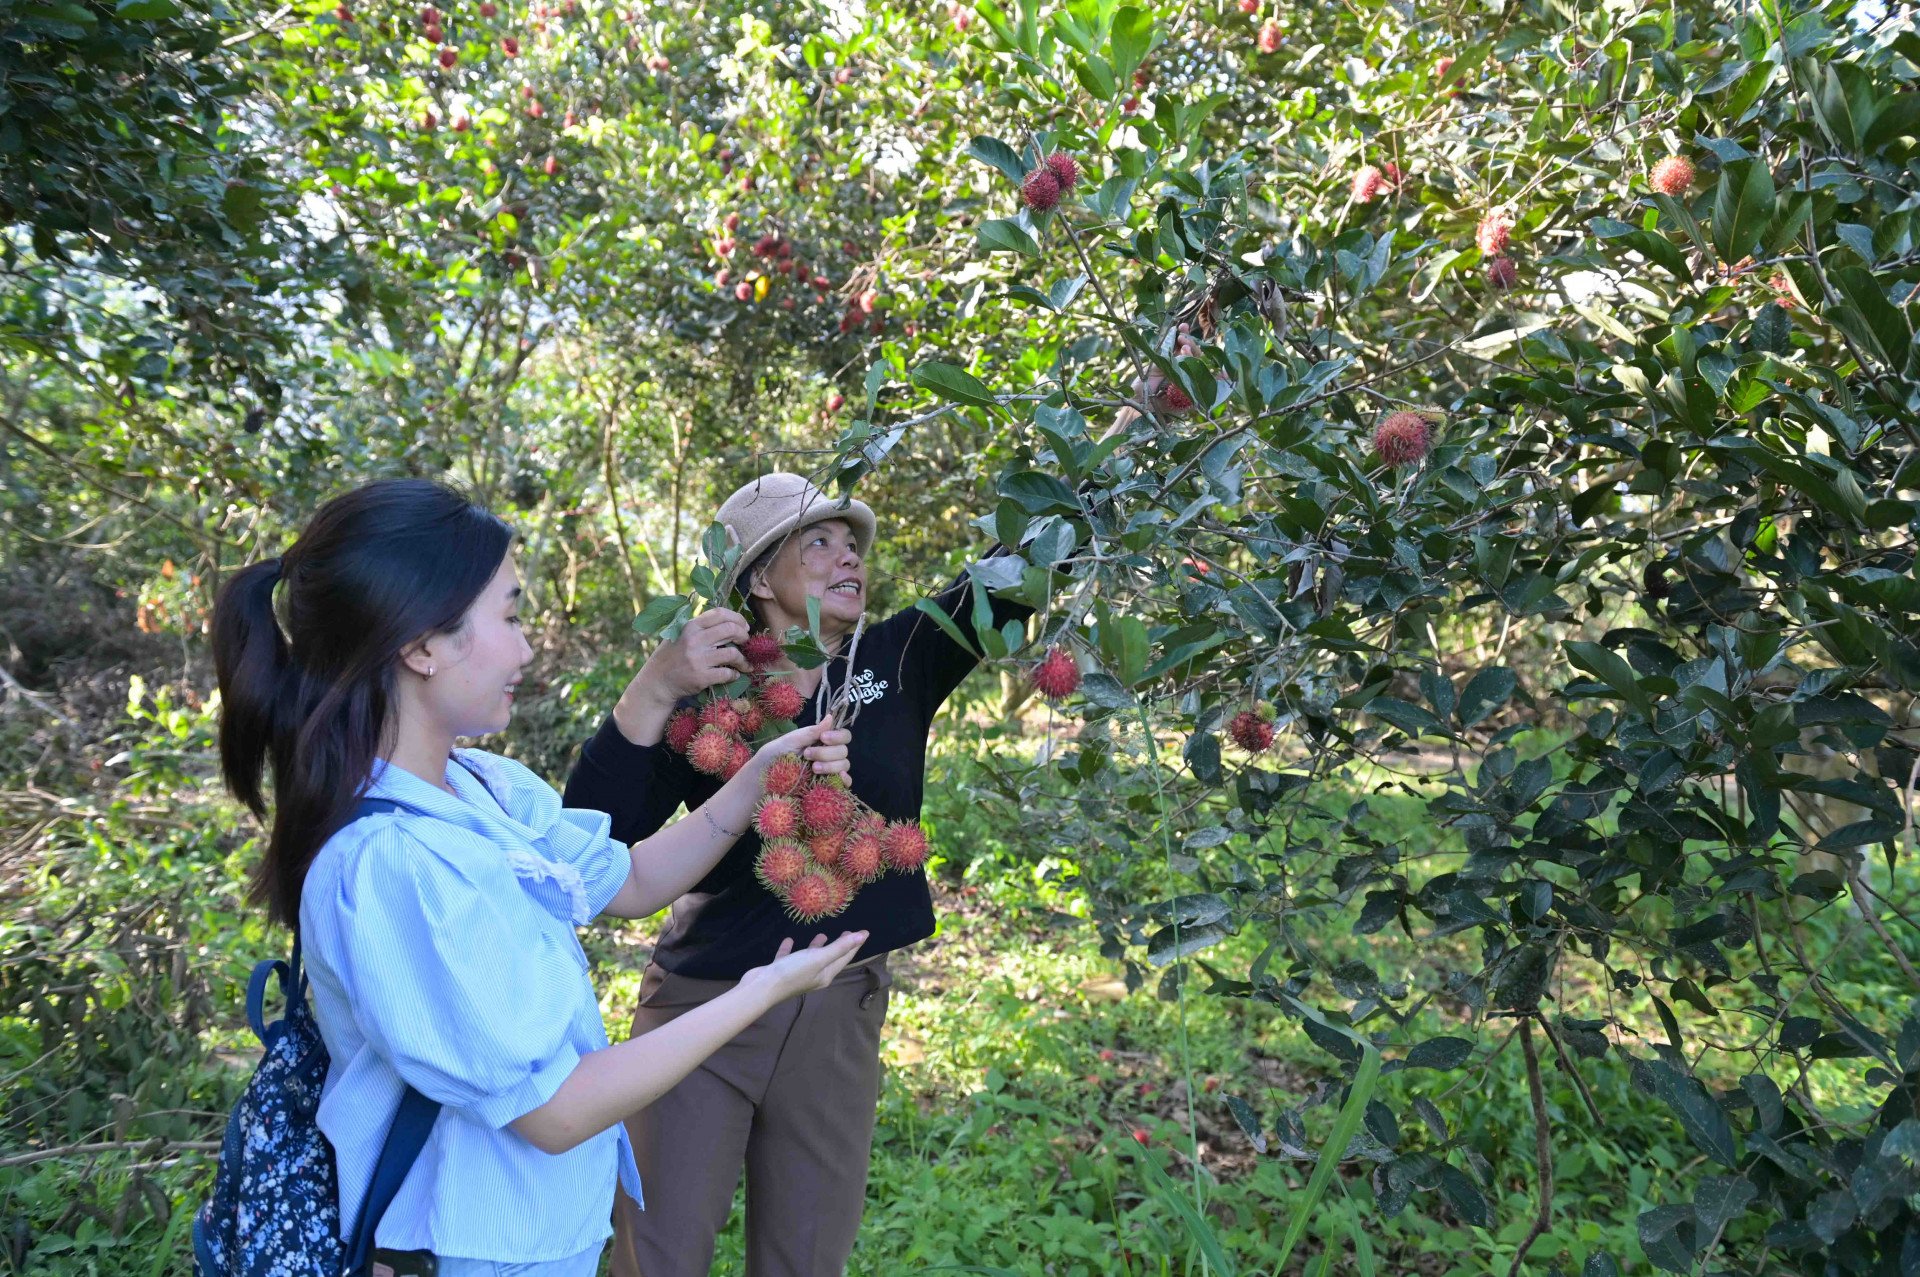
791 1098
439 934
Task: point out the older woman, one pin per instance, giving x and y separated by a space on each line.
791 1100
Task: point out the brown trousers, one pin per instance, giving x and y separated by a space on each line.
791 1100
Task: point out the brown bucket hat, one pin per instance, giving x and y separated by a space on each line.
761 512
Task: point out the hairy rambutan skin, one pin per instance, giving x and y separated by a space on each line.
742 755
1057 676
1671 176
710 751
863 858
681 728
777 818
826 808
1503 274
1065 170
1041 190
905 846
1269 37
780 864
813 895
1403 438
1495 230
780 700
1251 732
761 650
723 715
1369 182
786 775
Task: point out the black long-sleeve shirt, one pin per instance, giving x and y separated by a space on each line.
904 670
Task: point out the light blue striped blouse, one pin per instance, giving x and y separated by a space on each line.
441 948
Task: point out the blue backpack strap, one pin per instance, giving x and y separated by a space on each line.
412 1123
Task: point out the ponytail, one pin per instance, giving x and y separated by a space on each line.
374 571
250 661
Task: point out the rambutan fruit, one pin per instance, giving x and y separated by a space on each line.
723 715
863 858
1671 176
1403 438
1041 190
777 818
813 895
825 847
1368 183
787 775
761 650
680 729
905 846
780 864
1502 273
1251 732
826 807
1495 230
1065 170
780 699
1057 676
742 755
710 751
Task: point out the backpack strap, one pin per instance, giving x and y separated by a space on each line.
406 1136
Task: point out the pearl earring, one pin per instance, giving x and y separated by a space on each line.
429 671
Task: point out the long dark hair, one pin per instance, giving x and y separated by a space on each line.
375 570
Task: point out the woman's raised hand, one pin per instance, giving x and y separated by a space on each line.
822 744
706 654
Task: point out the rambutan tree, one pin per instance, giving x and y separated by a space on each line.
1551 418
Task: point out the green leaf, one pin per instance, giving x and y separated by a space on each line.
1888 336
1612 669
1095 76
1701 1116
1720 1200
1742 208
1175 1199
1132 34
1007 235
1485 692
1440 1053
992 151
1345 1126
1039 493
954 383
945 622
146 10
659 612
1408 717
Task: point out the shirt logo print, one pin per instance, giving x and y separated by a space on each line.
866 689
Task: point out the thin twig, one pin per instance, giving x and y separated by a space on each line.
1542 1149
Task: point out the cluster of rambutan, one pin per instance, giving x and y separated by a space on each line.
820 844
714 736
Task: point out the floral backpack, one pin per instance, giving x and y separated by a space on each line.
275 1206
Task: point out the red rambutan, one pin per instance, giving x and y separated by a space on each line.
1494 232
761 650
680 729
721 714
780 699
742 755
787 775
1065 170
1251 732
863 858
1403 438
813 894
905 846
710 751
1671 176
1368 183
780 864
777 818
825 847
1057 676
826 807
1041 190
1502 273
